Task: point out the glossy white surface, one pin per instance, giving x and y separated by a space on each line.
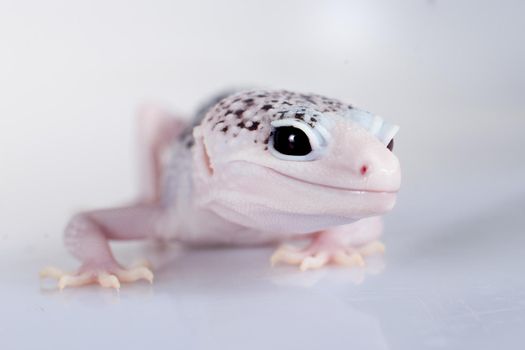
449 73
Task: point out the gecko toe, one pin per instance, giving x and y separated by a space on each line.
108 281
51 272
74 280
314 262
288 255
375 247
348 259
135 274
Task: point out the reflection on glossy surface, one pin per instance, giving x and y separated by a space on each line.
449 290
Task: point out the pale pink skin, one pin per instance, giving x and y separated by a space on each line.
227 188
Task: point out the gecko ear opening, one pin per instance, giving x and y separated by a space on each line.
201 155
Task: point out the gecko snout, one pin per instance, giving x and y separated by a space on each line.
380 172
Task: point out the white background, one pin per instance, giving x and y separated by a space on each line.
451 73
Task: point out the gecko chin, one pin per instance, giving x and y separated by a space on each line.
264 198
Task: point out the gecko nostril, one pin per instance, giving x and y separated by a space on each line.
364 170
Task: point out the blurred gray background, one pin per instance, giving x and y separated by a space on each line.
451 73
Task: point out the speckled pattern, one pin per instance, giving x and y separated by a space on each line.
251 112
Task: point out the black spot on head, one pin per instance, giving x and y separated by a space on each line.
299 116
239 112
350 107
266 107
241 125
313 120
229 111
249 101
254 126
262 95
286 103
225 129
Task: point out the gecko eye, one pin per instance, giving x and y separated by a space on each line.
390 145
291 141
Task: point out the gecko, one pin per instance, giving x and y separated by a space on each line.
253 167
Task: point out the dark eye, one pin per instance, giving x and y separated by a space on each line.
291 141
390 145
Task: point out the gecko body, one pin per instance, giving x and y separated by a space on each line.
253 167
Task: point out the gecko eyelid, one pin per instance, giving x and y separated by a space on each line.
375 125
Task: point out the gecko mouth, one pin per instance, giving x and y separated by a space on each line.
339 188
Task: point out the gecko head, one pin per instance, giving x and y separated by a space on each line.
291 162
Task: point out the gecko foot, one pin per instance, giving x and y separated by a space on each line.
106 276
321 253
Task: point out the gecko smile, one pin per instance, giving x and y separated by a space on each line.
246 168
339 188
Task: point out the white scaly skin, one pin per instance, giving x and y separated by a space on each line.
224 181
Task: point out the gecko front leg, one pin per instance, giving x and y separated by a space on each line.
87 236
344 245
